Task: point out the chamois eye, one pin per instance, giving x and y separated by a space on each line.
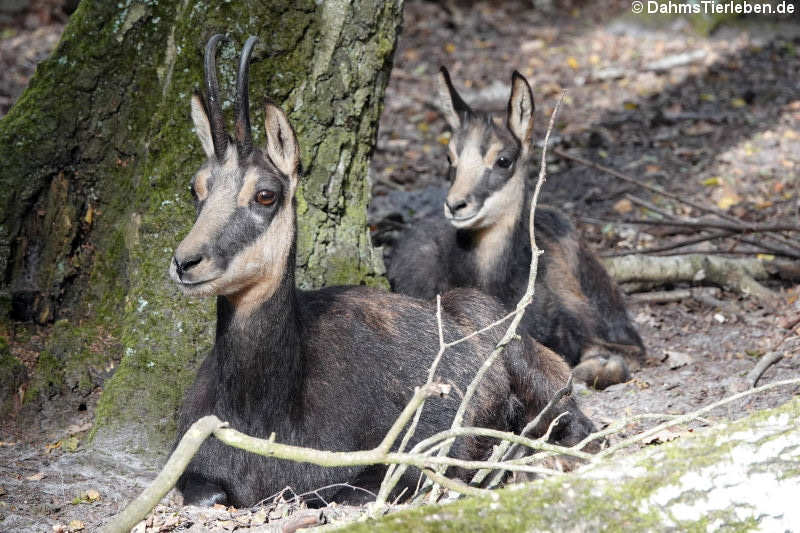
265 197
503 162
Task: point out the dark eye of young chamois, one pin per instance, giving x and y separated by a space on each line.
484 156
243 197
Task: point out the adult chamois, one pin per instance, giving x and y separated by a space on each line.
483 241
328 369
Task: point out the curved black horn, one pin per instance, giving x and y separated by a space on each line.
216 118
244 135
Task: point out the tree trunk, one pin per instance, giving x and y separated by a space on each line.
95 162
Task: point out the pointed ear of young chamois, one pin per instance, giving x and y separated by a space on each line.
520 110
454 107
282 147
201 125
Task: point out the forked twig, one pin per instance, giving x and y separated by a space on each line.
506 450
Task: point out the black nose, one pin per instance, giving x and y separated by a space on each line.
184 265
456 206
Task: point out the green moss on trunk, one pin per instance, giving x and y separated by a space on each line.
96 157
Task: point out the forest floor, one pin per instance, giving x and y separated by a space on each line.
714 119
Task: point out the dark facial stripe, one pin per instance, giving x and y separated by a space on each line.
240 231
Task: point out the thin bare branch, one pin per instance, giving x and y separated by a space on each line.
688 417
527 297
658 190
502 452
204 427
395 472
673 246
166 479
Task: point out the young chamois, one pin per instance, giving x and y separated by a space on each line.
328 369
483 242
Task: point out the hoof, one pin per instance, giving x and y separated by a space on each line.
203 493
599 372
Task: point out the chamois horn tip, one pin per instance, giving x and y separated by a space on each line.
244 136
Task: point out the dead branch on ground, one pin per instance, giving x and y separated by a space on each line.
740 225
211 425
739 274
775 355
705 295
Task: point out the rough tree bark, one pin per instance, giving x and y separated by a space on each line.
96 157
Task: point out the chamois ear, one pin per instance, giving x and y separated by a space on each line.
454 107
202 126
520 110
282 147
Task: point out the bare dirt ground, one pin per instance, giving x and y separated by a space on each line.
719 125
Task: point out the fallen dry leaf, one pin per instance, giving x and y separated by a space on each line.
76 525
71 444
652 169
78 428
531 46
623 207
662 436
36 477
701 128
727 197
259 517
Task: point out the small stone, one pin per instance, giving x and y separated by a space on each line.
676 359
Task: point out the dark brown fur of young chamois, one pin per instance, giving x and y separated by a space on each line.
329 369
483 242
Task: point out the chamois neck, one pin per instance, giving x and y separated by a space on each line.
259 354
271 310
495 245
